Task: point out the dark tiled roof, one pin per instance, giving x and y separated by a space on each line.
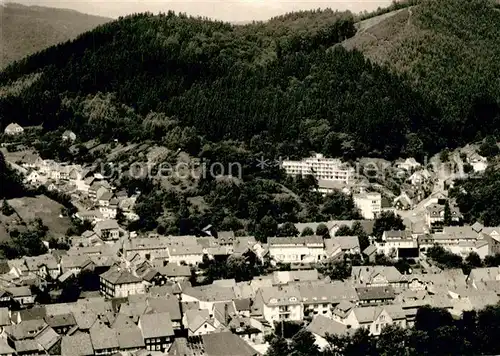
130 338
226 344
60 320
370 293
120 276
156 325
78 344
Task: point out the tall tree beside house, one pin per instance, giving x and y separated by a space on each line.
322 230
358 343
288 229
10 181
303 344
473 260
7 210
358 230
387 221
278 346
343 230
308 232
267 227
489 147
447 214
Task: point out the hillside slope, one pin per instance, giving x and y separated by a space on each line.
28 29
449 49
287 86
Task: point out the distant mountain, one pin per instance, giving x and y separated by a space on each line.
28 29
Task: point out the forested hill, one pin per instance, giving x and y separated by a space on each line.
28 29
449 49
286 86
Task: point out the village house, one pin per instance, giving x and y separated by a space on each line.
188 254
61 323
322 326
174 272
478 162
434 213
321 298
370 204
198 322
409 164
398 244
403 202
348 244
460 240
280 303
420 177
296 249
378 276
375 295
375 318
107 229
104 339
119 283
68 136
13 129
207 296
127 207
157 331
478 276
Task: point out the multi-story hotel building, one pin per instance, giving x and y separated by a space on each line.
320 167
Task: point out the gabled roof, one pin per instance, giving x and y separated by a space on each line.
334 292
37 312
322 326
174 270
61 320
130 338
196 319
379 293
5 349
210 293
370 314
169 304
347 242
227 344
365 274
223 311
371 249
103 337
78 344
4 317
116 275
47 338
156 325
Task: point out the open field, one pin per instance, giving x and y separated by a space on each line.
44 208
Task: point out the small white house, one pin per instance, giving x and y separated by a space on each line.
13 129
68 136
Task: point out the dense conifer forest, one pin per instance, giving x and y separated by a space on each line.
287 82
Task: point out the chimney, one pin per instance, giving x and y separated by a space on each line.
226 314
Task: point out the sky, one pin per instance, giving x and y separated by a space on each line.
226 10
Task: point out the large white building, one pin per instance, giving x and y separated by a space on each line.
280 303
321 168
370 204
296 249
